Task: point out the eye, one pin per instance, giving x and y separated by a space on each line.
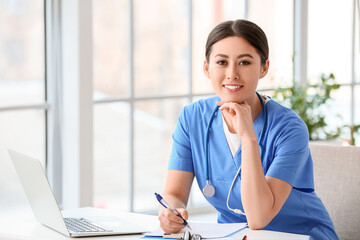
221 62
244 63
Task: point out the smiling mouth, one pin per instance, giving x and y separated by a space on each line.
233 87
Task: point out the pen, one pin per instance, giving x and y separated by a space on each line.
166 205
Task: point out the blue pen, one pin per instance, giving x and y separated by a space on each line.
166 205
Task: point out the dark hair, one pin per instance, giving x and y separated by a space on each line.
241 28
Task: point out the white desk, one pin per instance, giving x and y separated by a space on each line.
25 227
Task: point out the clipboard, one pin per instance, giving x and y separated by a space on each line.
205 230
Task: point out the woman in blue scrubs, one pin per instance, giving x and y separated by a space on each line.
249 154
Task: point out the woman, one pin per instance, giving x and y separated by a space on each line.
249 154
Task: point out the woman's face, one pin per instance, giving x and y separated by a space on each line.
235 68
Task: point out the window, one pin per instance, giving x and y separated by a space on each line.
330 50
145 70
22 91
111 125
329 39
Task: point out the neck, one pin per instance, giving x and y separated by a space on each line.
256 106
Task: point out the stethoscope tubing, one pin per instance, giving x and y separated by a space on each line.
207 142
260 142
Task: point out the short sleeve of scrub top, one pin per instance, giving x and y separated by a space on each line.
181 156
287 144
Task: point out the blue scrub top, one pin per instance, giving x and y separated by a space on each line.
286 156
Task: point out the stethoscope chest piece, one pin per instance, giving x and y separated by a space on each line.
189 236
209 190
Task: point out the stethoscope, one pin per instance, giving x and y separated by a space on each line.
209 190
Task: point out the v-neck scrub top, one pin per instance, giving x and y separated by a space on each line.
286 156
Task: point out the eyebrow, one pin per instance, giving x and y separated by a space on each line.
240 56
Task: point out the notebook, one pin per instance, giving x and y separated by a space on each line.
46 210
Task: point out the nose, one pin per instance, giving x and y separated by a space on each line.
232 72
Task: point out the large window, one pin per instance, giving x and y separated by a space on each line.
147 65
22 91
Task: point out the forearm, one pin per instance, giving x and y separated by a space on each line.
176 193
177 188
257 197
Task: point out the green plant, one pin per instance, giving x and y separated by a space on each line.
311 102
353 129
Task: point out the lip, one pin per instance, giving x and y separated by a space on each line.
233 87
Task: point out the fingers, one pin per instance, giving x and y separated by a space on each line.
228 106
171 223
220 103
183 212
231 106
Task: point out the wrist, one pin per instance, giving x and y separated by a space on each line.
249 140
249 136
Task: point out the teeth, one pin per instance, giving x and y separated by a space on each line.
232 87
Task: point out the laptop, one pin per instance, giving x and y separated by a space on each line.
46 209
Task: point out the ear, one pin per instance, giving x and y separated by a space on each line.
265 69
206 69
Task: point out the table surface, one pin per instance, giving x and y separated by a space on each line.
23 226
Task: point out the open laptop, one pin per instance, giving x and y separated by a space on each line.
45 207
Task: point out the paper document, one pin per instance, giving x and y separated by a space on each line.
206 230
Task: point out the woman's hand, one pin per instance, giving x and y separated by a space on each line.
238 116
171 223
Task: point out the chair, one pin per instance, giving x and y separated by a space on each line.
337 183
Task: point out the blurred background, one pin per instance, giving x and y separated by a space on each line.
147 58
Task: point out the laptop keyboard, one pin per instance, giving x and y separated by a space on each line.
78 225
